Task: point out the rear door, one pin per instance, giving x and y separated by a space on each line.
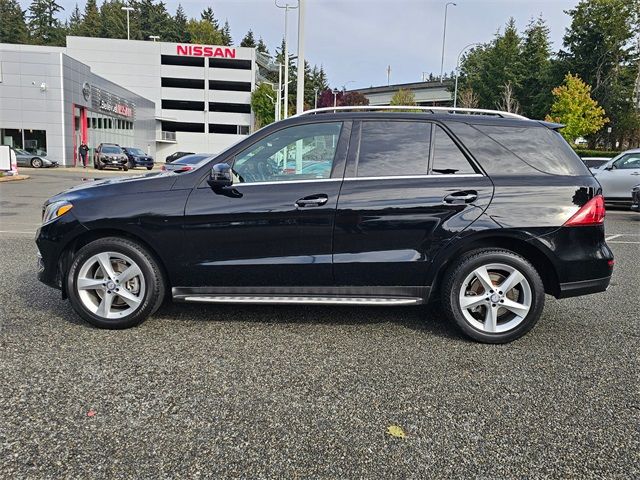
408 190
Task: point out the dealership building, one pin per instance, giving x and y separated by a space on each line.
158 96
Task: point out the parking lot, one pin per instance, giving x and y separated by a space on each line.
309 392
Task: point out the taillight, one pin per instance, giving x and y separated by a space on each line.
591 213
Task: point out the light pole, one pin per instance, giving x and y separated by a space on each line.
455 89
154 37
444 36
335 97
279 94
300 82
315 97
286 7
127 9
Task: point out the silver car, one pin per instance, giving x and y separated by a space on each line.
618 176
26 159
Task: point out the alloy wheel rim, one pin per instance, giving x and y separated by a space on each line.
495 298
37 162
110 285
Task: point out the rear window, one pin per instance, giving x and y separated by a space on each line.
539 147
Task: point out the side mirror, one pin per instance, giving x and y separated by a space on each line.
221 176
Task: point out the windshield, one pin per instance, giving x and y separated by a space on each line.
135 151
111 150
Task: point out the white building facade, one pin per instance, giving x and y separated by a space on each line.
202 93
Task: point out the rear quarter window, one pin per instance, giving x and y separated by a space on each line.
539 147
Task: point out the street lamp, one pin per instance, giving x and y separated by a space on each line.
127 9
315 98
286 8
455 90
154 37
444 36
335 97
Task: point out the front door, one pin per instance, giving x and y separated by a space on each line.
623 175
274 226
397 208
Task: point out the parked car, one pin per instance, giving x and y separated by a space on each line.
618 176
175 156
186 163
595 162
635 198
27 159
137 158
110 155
485 212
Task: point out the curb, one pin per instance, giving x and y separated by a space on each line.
13 178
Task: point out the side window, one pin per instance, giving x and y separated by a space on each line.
447 157
394 148
628 162
303 152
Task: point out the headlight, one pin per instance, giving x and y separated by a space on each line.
55 210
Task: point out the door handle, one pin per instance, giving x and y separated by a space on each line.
312 201
462 197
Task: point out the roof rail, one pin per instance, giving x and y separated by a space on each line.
372 108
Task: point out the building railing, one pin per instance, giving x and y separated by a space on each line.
168 136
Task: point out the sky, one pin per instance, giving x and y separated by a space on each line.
355 40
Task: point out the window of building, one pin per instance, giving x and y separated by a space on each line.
394 148
230 129
229 107
35 141
303 152
11 137
182 61
230 63
447 157
183 105
182 83
182 127
233 86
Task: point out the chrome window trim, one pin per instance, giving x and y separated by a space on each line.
402 177
313 180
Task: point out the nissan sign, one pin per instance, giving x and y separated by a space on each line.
203 51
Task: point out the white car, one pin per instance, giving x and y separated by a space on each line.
618 176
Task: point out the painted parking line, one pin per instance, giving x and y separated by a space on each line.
18 232
612 237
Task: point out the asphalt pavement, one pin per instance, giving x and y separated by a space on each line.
309 392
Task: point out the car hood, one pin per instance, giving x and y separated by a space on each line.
97 187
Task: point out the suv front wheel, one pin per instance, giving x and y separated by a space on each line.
114 283
493 295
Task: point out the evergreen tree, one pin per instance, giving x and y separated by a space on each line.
13 27
152 19
262 105
262 47
113 20
91 20
207 15
534 91
248 40
226 34
74 25
599 46
44 26
179 30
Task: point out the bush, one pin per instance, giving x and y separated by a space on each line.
595 153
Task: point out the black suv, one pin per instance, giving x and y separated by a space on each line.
137 158
110 155
486 212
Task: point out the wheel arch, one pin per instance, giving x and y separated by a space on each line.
95 234
534 254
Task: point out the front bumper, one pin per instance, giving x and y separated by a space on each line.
635 200
113 162
143 162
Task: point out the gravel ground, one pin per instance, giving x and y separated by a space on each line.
291 392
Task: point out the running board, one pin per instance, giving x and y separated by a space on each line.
311 300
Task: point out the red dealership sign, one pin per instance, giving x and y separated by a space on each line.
203 51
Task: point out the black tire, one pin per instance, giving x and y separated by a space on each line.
37 162
125 168
131 164
461 269
149 168
154 283
97 164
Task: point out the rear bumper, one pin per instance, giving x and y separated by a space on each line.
584 287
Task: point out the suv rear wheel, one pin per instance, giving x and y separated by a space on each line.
494 296
114 283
